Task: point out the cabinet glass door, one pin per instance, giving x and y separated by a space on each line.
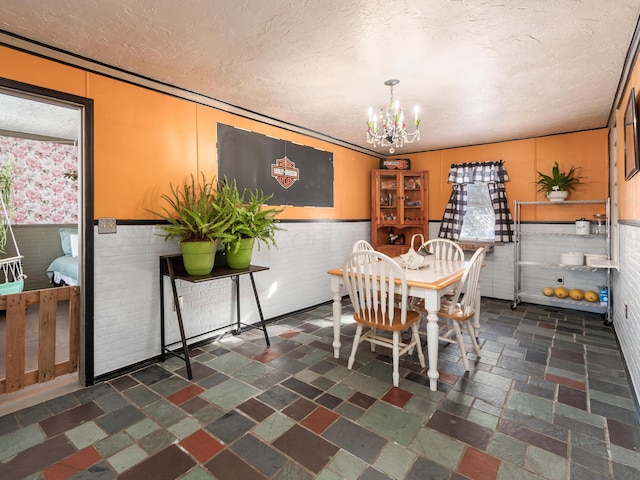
412 199
389 200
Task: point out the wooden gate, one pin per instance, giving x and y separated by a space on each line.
46 303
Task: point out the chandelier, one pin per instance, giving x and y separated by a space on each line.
388 129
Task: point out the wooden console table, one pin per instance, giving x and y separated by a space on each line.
172 266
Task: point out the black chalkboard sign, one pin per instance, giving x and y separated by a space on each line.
295 174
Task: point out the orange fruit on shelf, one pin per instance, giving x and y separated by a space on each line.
576 294
591 296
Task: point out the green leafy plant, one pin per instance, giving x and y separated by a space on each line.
6 183
71 175
248 218
561 181
194 213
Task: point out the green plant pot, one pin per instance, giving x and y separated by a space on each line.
241 258
198 257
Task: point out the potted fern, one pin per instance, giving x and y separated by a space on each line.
558 184
195 218
248 222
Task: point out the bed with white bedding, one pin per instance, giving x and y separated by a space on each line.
64 270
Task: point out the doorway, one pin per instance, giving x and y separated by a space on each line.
57 128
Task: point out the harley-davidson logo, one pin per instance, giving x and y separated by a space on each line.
285 172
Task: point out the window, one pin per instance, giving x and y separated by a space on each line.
478 209
479 220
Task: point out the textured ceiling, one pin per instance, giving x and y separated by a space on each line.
481 71
24 115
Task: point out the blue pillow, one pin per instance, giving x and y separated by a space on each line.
65 242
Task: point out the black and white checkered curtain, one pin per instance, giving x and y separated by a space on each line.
454 213
504 231
494 175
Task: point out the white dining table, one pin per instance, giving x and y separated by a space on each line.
430 283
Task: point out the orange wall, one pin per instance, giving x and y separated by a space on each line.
523 159
145 139
142 140
352 182
41 72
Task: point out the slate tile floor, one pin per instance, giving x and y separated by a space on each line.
548 399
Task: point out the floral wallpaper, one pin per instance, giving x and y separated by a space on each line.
42 194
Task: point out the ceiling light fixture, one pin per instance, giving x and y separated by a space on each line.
388 129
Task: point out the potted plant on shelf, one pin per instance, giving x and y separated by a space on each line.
195 218
248 222
558 184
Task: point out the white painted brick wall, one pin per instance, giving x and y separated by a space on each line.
126 296
127 312
626 291
496 279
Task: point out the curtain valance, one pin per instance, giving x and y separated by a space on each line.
487 172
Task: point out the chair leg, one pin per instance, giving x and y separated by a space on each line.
414 345
373 345
416 339
354 348
472 331
476 317
396 358
460 340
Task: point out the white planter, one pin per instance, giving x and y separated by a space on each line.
557 196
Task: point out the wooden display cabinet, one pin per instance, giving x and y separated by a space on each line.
399 206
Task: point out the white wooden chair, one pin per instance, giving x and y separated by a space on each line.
461 308
361 245
444 249
372 278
